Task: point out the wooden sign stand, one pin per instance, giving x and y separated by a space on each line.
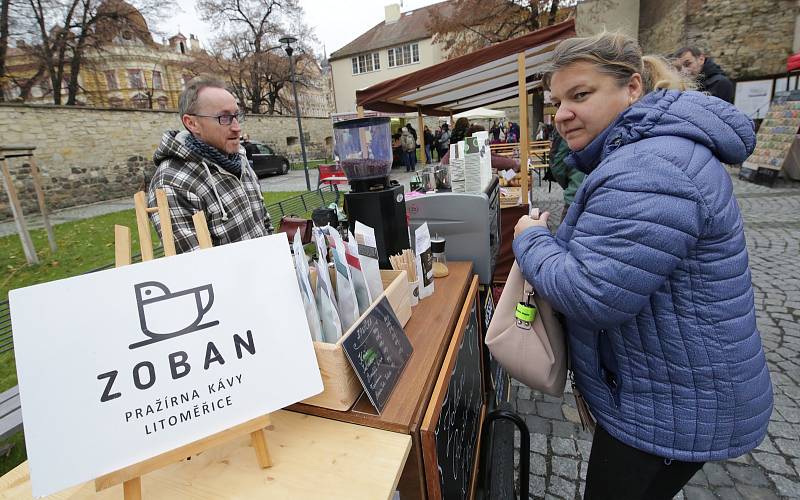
130 476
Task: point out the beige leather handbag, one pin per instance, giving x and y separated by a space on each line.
532 352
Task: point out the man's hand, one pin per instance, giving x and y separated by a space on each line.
526 222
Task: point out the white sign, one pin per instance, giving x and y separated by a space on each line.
132 362
753 98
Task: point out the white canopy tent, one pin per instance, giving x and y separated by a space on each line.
478 113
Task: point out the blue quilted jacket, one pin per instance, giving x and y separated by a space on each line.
650 269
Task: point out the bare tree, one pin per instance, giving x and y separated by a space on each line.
468 25
251 58
5 7
65 31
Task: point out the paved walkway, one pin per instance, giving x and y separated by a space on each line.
560 448
292 181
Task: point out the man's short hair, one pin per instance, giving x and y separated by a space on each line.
694 50
187 103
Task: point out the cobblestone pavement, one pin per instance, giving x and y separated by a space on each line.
560 448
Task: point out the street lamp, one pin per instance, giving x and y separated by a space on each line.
288 40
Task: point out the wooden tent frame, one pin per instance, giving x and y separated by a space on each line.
131 476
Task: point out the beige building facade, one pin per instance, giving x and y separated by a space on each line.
398 45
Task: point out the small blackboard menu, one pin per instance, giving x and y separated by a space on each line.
451 429
378 349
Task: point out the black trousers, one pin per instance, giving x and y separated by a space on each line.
620 472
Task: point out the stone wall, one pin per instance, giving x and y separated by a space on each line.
747 38
88 155
662 26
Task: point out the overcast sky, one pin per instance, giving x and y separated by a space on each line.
336 22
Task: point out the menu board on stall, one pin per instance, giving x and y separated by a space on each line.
378 350
777 132
451 428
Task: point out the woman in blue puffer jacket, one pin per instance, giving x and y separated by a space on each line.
650 270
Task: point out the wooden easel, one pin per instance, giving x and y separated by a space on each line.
130 476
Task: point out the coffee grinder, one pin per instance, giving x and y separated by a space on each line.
364 150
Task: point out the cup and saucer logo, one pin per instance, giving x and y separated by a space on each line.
164 314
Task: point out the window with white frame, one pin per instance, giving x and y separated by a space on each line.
366 63
405 54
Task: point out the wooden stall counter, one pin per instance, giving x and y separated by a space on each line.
429 330
312 458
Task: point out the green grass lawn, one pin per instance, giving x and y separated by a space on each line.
82 246
16 455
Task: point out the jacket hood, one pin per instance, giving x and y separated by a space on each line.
706 120
173 145
710 68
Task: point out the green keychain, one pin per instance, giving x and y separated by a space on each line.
525 312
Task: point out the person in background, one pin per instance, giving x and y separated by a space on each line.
428 136
459 130
693 63
397 151
436 148
494 131
444 141
249 148
512 135
409 147
204 168
411 131
650 270
566 175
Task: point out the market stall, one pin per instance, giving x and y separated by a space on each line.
470 218
494 74
355 400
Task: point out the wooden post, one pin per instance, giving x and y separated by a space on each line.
37 185
132 489
524 141
167 238
122 246
201 228
421 135
143 225
362 134
16 211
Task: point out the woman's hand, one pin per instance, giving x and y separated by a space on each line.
526 222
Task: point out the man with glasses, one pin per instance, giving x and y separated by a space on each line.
204 168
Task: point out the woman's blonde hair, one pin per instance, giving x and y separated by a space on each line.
618 56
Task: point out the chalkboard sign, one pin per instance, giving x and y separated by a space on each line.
378 349
451 428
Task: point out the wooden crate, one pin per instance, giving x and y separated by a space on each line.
342 386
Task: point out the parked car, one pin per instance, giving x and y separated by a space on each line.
265 161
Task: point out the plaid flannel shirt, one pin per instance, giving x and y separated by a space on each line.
233 206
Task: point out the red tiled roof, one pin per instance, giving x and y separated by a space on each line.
412 25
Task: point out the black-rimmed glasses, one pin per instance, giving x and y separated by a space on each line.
223 119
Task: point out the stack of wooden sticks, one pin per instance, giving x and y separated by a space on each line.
407 262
